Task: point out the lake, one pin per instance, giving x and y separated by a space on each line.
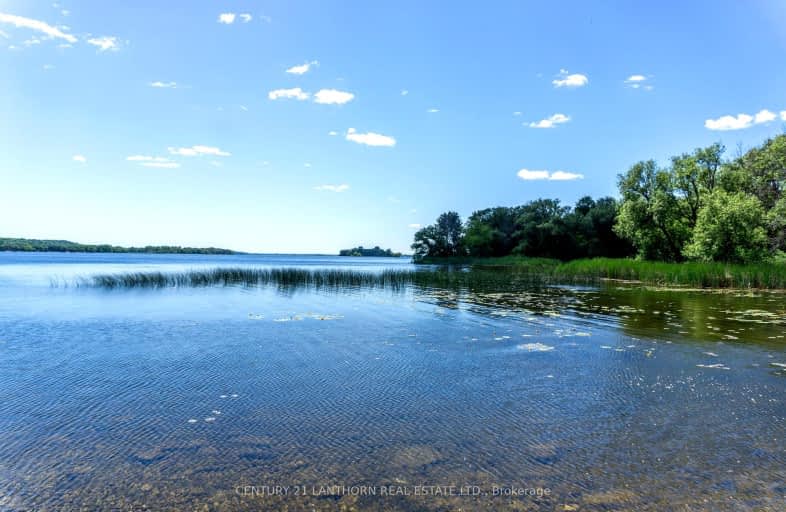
536 397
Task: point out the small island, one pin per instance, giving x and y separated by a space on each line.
375 251
32 245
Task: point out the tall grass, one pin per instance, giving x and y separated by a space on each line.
492 274
692 274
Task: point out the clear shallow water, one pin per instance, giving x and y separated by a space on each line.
176 399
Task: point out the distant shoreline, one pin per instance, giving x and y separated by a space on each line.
34 245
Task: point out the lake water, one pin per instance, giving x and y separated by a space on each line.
264 398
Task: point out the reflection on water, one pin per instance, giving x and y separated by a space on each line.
182 399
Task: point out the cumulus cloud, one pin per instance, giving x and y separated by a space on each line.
370 138
414 226
333 188
198 151
37 25
783 115
531 175
432 110
295 93
303 68
333 97
153 161
245 17
164 85
104 43
742 121
764 116
551 121
79 158
404 92
565 79
332 133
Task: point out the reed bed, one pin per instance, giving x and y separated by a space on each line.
492 275
295 278
690 274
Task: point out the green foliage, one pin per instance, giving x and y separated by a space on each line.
31 245
538 229
443 239
652 216
375 251
730 227
702 207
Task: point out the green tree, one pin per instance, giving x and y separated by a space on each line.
492 232
652 216
730 227
445 238
760 171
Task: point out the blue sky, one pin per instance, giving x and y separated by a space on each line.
313 126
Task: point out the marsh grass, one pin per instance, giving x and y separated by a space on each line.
294 278
689 274
493 274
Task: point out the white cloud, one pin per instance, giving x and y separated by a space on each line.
531 175
432 110
638 82
729 122
764 116
565 176
153 161
244 108
742 121
39 26
226 18
295 93
570 80
370 138
526 174
164 85
245 17
550 122
333 133
104 43
4 35
48 67
517 114
79 158
307 164
404 92
266 19
198 151
333 188
414 226
333 97
303 68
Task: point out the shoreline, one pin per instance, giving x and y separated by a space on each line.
691 275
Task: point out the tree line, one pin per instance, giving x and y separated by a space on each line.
701 206
33 245
374 251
